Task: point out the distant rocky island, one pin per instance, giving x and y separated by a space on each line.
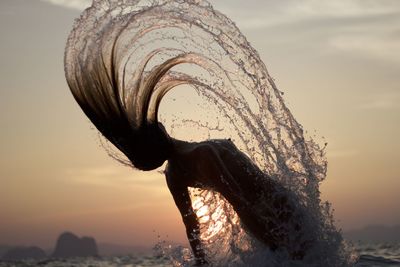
22 253
71 246
68 246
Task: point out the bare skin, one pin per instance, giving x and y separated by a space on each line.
221 166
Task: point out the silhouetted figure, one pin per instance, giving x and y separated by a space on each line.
130 123
262 204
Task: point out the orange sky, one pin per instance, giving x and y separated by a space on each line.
337 63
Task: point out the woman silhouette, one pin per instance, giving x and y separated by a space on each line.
218 165
265 208
123 56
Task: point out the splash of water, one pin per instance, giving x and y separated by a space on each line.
115 42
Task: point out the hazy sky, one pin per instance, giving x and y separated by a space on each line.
338 63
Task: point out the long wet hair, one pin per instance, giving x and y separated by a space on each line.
127 117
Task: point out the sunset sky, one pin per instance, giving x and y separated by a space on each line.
338 63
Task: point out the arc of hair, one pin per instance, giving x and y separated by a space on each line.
161 91
131 102
148 85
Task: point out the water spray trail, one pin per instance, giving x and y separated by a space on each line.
118 46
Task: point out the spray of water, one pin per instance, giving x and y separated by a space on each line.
114 43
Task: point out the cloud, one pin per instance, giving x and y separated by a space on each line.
263 14
363 28
384 101
377 39
73 4
271 13
374 47
113 176
342 153
368 28
267 13
343 8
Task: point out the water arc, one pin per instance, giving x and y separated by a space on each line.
123 56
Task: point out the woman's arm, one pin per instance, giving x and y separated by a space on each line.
182 200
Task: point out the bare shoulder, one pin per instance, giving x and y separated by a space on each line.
221 143
232 155
217 146
202 149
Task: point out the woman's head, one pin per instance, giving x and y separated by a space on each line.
148 148
121 94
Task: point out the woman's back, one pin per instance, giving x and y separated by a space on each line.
266 209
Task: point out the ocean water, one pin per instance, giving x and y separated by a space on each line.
370 254
378 254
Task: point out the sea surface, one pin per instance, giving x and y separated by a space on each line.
378 254
370 254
